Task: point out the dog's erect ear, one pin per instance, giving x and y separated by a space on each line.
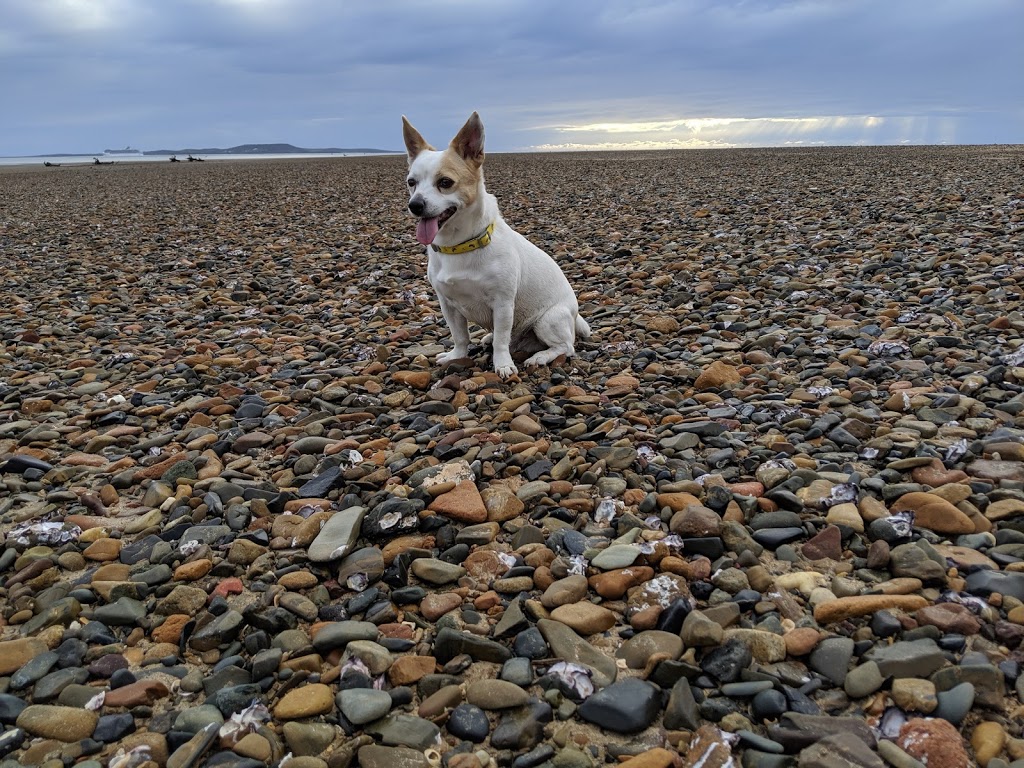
469 141
414 143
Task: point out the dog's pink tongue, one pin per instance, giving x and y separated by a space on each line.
426 230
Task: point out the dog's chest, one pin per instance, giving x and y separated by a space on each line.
469 283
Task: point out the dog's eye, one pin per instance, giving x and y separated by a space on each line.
411 182
445 183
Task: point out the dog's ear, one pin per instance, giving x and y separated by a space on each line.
469 141
414 143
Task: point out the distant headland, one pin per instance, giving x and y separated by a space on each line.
272 149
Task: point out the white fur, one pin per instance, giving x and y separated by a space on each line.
509 287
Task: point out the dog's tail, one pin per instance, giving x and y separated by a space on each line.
582 328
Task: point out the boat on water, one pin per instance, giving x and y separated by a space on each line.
126 151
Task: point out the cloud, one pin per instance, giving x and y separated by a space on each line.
319 72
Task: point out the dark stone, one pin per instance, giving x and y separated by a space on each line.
10 708
521 728
223 629
468 722
266 662
380 521
535 756
768 705
138 551
49 687
234 699
726 662
530 643
272 619
226 678
18 463
321 485
450 643
110 728
984 583
682 712
11 740
711 547
624 707
800 702
121 678
71 653
537 469
107 665
671 619
885 624
33 670
667 673
773 537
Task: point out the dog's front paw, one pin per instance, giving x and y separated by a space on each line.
504 371
446 357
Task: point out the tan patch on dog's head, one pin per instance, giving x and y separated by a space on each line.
465 177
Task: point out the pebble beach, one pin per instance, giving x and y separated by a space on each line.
771 515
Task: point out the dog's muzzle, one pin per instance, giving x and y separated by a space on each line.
417 206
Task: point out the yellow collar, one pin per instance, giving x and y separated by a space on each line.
469 245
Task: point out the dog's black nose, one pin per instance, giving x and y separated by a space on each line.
416 205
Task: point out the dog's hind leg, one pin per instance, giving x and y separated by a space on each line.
556 328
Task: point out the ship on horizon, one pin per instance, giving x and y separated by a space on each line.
128 150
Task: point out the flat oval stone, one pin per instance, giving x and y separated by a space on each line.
616 556
496 694
50 721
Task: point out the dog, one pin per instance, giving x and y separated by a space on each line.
482 270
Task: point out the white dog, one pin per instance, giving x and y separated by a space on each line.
483 270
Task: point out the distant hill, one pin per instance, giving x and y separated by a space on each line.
271 149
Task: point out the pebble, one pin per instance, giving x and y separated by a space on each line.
955 703
625 707
783 478
987 741
585 618
65 724
831 658
468 722
495 694
305 701
338 535
361 706
936 743
638 649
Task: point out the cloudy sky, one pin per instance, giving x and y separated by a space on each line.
84 75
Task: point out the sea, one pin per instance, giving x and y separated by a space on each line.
71 160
